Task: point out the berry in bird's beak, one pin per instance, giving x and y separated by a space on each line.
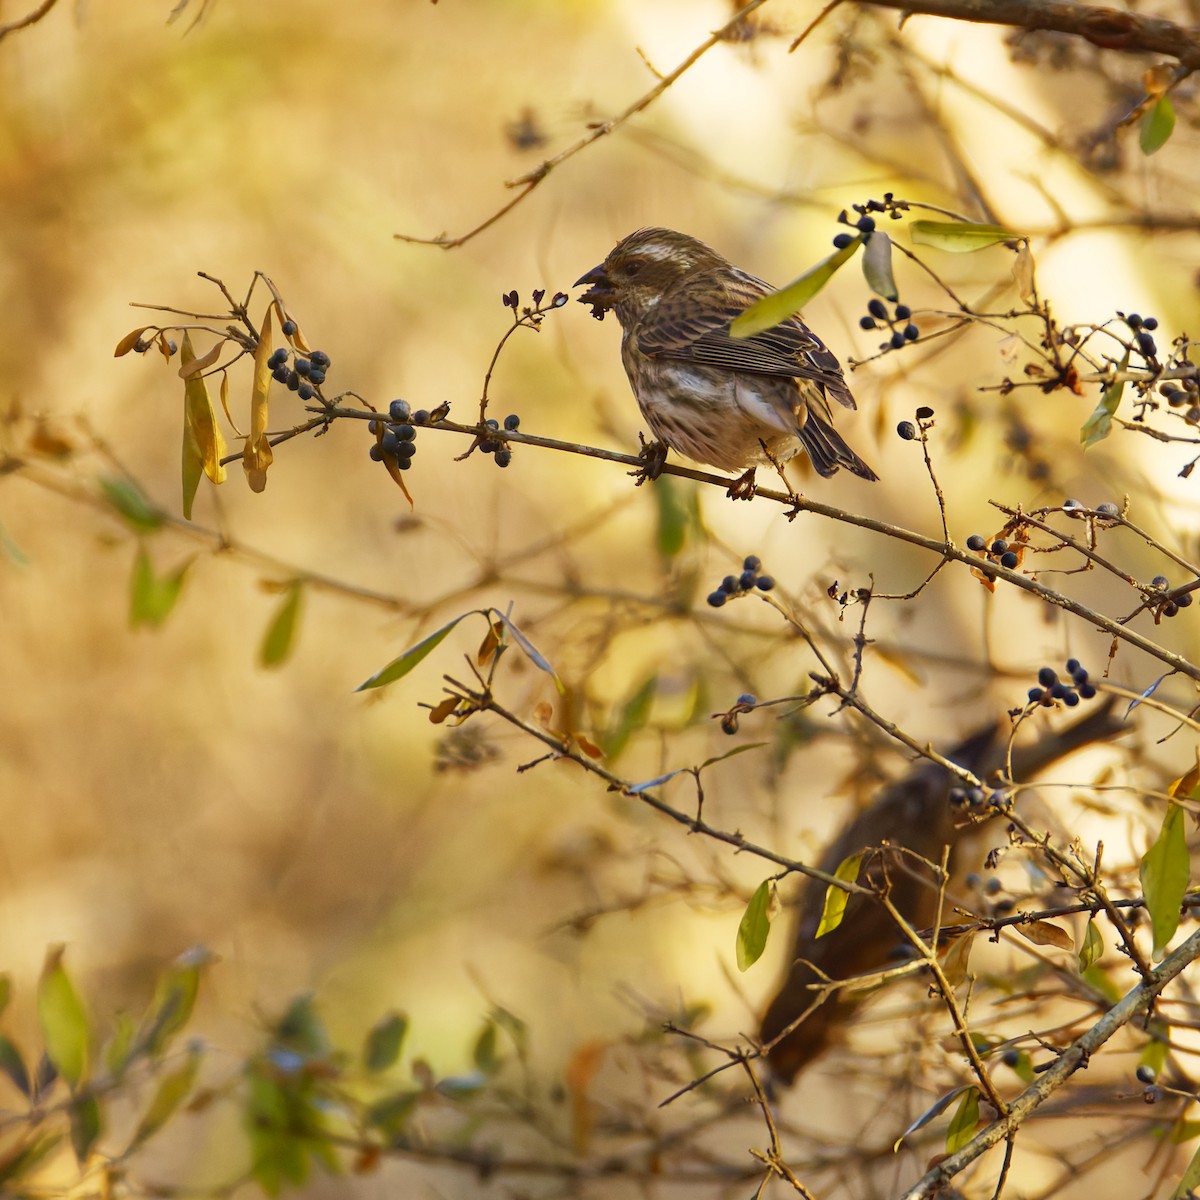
600 294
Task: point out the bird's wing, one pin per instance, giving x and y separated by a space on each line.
682 326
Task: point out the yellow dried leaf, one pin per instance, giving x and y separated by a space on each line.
1023 273
225 403
193 366
200 417
257 455
440 712
1042 933
543 713
130 340
588 746
492 641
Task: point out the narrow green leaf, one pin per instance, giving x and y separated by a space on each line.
1189 1180
384 1042
484 1054
174 998
1098 426
152 597
277 642
119 1051
716 758
302 1029
132 503
25 1158
390 1113
877 266
935 1109
173 1089
964 1122
631 718
754 927
1164 874
86 1124
778 306
959 237
516 1029
64 1020
1092 947
835 898
13 1065
672 517
399 667
1156 126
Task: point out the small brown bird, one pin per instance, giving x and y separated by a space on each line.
715 398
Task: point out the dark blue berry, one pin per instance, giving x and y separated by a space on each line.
1072 665
493 424
1047 677
489 445
377 453
897 342
512 422
903 312
1059 690
764 583
1080 675
405 449
907 430
277 357
729 584
866 323
317 376
866 224
747 698
1150 323
281 374
716 599
843 240
320 358
405 433
404 463
999 546
877 309
289 328
302 366
1011 1057
399 410
1184 600
1146 345
293 381
1009 559
1071 699
1146 1074
1087 691
976 543
305 391
746 580
503 457
911 332
752 563
1133 321
421 417
1035 695
389 444
373 426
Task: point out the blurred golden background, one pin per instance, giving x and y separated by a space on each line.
159 788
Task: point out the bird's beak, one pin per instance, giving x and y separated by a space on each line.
600 294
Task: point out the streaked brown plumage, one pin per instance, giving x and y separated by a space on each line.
705 394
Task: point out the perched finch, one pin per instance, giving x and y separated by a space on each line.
715 398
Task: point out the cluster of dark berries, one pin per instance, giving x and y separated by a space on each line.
1169 604
977 798
1077 510
533 312
909 432
748 580
999 551
745 703
1181 392
166 345
396 437
900 323
494 445
1143 334
1051 688
865 223
305 374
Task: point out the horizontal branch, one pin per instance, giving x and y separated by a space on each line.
1108 28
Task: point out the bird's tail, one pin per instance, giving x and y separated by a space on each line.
827 448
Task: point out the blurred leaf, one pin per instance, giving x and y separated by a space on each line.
44 1077
877 266
754 927
277 642
11 550
716 758
23 1158
5 990
64 1020
152 597
128 342
399 667
516 1029
206 445
302 1029
1098 978
674 515
1184 1131
964 1122
1023 1067
13 1065
461 1087
1023 274
119 1051
1043 933
86 1123
173 1089
1097 427
143 515
484 1054
534 655
257 454
633 715
1092 947
956 958
581 1070
1156 126
835 898
1154 1054
938 1107
390 1113
1164 873
1189 1180
175 995
779 306
959 237
384 1042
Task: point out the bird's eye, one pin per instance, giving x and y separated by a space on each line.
634 266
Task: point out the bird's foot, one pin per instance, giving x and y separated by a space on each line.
743 487
653 456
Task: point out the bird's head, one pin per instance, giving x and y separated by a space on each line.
641 268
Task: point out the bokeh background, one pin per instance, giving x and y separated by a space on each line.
160 788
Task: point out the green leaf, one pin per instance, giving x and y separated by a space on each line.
959 237
390 1113
1092 948
13 1065
484 1054
1154 1054
1157 126
173 1089
778 306
1189 1180
672 517
302 1029
1097 427
1164 875
64 1020
5 990
399 667
384 1042
754 927
119 1051
964 1122
152 597
935 1109
1023 1067
174 998
143 515
632 717
516 1029
1098 978
877 266
277 642
86 1124
24 1159
716 758
835 898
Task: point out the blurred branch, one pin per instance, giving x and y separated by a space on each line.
1108 28
24 22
